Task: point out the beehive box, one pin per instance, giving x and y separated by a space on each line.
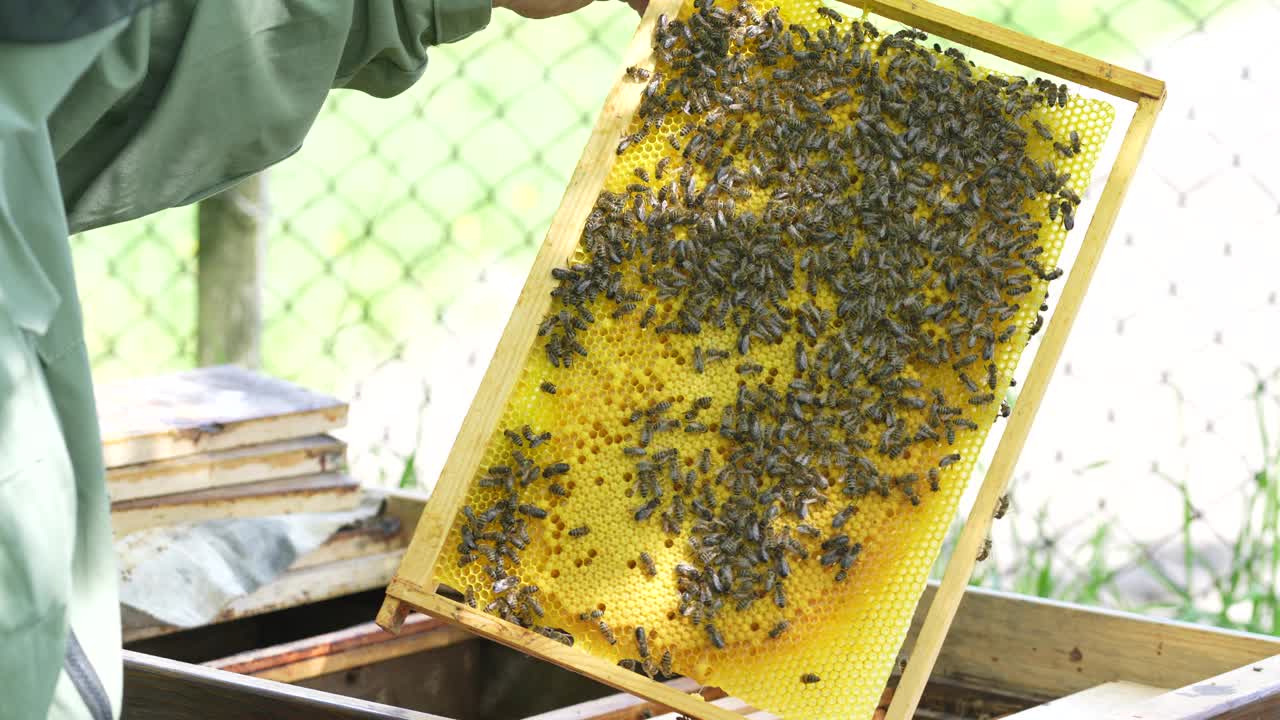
788 289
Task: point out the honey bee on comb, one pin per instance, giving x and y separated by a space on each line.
819 251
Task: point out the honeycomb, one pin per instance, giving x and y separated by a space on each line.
747 421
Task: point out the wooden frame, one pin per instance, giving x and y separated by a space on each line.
407 592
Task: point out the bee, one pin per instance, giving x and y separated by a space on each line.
949 460
1002 506
547 387
638 73
779 629
623 310
558 489
471 596
830 14
554 469
699 363
714 635
563 638
810 678
607 632
661 167
969 384
647 561
634 451
704 461
1075 142
649 312
505 585
646 510
579 531
642 641
513 437
934 483
982 399
985 550
1042 130
843 516
665 664
532 511
695 427
1005 410
749 368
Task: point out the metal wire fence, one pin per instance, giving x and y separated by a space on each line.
401 234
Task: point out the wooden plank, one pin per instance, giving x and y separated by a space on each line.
1042 649
1017 47
161 689
1252 691
286 458
1094 702
358 646
298 587
978 525
534 301
324 492
545 648
355 543
204 410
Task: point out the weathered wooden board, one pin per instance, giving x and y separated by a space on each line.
324 492
1251 692
352 647
206 410
1044 649
1095 702
356 543
253 463
299 587
160 689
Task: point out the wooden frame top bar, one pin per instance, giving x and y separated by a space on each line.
1017 47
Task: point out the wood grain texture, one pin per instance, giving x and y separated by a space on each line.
208 409
534 301
545 648
978 524
253 463
161 689
298 587
1094 702
1044 649
1017 47
359 646
323 492
1252 691
355 543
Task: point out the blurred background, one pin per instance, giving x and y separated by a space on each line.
391 249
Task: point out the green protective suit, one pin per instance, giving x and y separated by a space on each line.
164 108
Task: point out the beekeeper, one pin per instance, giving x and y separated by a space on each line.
111 110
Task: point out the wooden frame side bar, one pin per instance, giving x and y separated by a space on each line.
534 302
545 648
960 567
1017 47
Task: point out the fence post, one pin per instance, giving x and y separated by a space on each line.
231 232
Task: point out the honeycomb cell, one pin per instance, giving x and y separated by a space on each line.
849 198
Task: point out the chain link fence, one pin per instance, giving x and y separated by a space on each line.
401 234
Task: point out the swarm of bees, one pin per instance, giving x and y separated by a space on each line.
869 203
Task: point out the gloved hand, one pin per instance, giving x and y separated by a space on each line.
539 9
